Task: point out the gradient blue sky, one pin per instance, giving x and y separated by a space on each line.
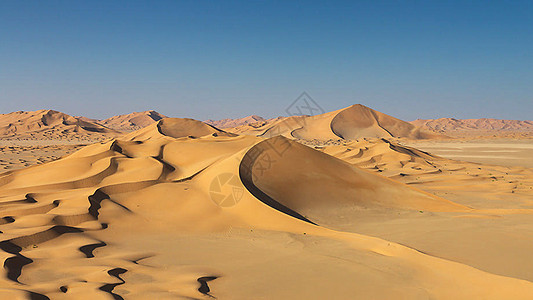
217 59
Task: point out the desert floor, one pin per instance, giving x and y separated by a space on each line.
17 154
505 152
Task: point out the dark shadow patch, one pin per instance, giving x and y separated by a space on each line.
37 296
95 201
108 288
88 249
204 288
14 266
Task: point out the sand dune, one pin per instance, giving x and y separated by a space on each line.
477 127
181 209
356 121
50 124
229 123
133 121
323 188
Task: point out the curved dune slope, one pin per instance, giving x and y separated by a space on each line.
163 215
358 121
320 187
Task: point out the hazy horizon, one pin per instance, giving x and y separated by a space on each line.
234 59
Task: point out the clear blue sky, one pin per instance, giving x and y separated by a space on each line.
217 59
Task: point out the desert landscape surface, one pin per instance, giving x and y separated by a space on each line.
349 204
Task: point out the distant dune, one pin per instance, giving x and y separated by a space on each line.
469 127
50 124
356 121
133 121
228 123
178 128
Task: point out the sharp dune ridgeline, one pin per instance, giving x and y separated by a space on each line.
181 209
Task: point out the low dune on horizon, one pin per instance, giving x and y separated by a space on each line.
340 205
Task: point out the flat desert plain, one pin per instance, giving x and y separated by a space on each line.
336 207
505 152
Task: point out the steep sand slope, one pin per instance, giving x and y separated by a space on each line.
356 121
164 215
50 124
133 121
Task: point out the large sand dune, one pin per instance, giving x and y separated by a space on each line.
356 121
183 210
133 121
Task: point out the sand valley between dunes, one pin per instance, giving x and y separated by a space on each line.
182 210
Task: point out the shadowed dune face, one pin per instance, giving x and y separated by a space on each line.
135 218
